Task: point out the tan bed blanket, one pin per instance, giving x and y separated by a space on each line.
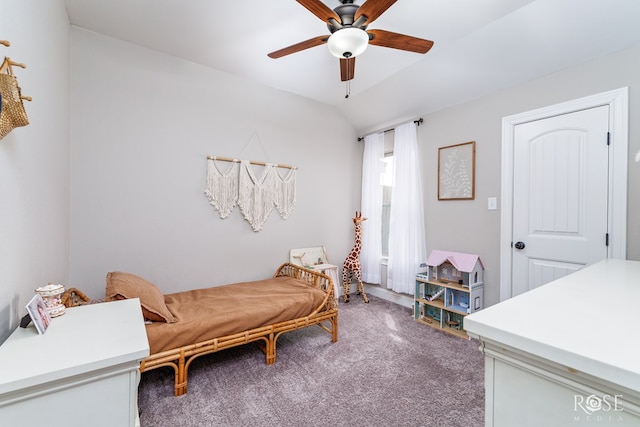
204 314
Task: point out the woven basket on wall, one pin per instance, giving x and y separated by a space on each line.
12 112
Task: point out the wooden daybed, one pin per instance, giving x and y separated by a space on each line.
185 325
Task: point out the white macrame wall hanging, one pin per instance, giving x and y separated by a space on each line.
222 187
256 196
285 193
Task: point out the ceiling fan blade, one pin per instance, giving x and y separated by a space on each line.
347 68
316 41
372 9
319 9
399 41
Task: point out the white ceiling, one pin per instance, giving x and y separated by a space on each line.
480 45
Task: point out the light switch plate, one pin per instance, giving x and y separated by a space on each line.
492 203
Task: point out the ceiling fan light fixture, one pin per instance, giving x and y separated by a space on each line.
348 42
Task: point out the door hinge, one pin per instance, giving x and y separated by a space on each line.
606 239
608 138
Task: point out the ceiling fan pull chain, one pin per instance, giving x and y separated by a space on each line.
348 90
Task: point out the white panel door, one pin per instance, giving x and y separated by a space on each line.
560 200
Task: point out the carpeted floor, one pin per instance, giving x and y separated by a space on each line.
385 370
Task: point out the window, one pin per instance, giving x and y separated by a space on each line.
391 190
386 180
387 186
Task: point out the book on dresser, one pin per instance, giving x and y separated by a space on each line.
448 290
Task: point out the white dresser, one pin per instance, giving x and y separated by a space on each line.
82 371
566 353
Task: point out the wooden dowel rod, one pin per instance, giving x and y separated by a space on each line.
8 63
253 162
26 98
223 159
17 64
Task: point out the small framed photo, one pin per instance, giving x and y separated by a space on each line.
37 310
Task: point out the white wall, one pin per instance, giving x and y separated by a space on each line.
142 125
34 160
468 226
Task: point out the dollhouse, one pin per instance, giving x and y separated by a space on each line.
451 288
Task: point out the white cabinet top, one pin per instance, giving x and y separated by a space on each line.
588 321
85 339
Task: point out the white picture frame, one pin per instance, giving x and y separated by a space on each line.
39 314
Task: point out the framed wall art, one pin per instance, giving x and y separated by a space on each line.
456 171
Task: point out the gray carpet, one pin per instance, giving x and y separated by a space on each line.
385 370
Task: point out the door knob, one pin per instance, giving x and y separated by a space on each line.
519 245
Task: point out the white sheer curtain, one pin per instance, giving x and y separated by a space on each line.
371 205
407 243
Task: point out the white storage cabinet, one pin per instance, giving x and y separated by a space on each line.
83 371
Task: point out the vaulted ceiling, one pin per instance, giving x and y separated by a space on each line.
479 45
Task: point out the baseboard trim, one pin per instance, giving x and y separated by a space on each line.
404 300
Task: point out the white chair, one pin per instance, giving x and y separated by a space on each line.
315 258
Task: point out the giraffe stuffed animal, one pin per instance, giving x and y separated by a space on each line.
351 267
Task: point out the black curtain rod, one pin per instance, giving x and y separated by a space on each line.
417 122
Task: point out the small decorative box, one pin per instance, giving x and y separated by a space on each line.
51 295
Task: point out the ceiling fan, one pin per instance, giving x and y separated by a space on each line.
349 36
